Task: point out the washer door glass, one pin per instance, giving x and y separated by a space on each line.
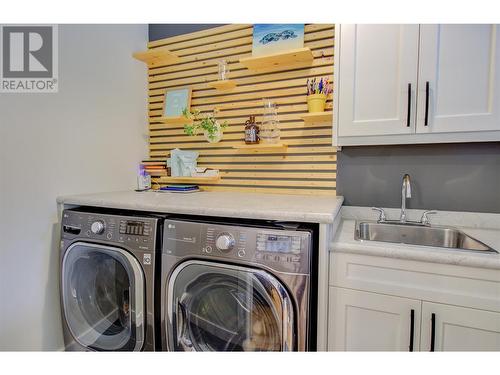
228 308
103 292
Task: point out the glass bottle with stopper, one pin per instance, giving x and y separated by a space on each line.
269 130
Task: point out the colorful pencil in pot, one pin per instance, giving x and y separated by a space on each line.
323 86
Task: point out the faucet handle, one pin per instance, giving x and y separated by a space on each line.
425 220
381 216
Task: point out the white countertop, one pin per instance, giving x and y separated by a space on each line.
344 242
300 208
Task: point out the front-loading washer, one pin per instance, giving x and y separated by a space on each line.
230 287
108 262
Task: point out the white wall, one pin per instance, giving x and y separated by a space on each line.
89 137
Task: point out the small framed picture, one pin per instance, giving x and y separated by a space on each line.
175 102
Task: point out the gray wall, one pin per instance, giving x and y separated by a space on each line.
454 177
87 138
160 30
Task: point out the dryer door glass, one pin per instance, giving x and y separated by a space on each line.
103 292
228 308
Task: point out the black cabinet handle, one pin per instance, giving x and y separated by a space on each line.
409 106
433 331
426 120
412 328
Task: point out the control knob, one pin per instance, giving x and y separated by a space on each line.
97 227
225 242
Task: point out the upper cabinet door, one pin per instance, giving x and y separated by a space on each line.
377 79
459 78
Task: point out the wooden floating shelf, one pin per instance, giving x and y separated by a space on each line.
259 146
276 61
174 120
224 85
317 117
158 56
190 180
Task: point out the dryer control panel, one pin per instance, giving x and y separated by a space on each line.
281 250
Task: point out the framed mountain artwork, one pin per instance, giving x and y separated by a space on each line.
269 39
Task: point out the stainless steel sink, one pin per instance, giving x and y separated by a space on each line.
419 235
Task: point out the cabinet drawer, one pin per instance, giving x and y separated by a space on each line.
445 283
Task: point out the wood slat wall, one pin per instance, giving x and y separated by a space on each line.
308 166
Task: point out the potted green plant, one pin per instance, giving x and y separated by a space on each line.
211 128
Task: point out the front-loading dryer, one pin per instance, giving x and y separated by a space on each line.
230 287
107 280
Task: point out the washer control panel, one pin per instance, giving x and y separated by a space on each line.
282 250
135 227
136 232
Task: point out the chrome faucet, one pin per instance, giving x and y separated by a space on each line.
405 193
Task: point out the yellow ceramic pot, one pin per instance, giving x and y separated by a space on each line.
316 103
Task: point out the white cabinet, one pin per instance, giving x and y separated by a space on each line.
375 302
366 321
375 322
454 328
379 100
459 78
378 79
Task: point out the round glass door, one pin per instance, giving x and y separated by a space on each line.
228 308
103 292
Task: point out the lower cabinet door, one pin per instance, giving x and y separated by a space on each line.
364 321
454 328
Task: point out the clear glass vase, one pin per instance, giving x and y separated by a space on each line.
223 70
216 136
269 131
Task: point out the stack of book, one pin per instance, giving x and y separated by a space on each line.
155 168
180 188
